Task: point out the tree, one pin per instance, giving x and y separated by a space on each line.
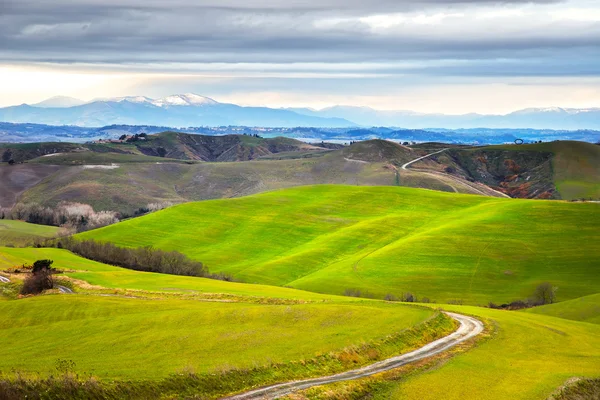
40 278
545 293
409 297
123 137
41 265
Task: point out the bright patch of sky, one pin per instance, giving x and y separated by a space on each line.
448 56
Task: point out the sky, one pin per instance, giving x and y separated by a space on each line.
434 56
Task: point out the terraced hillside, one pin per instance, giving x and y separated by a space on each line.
383 240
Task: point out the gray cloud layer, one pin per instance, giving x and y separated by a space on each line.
276 31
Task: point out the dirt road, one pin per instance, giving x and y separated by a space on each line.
469 327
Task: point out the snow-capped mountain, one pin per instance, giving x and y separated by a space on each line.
187 99
180 110
536 118
189 109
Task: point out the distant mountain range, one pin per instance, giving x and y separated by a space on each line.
185 110
177 111
535 118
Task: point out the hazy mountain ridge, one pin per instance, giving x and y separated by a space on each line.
536 118
190 109
176 110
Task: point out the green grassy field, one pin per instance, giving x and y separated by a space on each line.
382 240
585 309
18 233
108 276
148 339
155 337
528 357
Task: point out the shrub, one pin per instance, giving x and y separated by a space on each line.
390 297
352 292
409 297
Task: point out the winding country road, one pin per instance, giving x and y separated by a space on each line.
469 328
421 158
64 289
477 187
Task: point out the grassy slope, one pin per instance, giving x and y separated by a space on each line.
585 309
383 240
576 166
528 358
111 337
114 277
19 233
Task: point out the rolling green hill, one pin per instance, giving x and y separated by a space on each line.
18 233
381 240
113 334
143 340
585 309
528 357
238 335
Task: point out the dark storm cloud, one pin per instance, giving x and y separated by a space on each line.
269 31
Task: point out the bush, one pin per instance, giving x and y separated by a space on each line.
390 297
409 297
352 292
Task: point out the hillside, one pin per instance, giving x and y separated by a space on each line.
131 183
320 334
270 333
585 309
218 148
174 145
381 240
18 233
558 170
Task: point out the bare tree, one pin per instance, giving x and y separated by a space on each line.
545 293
